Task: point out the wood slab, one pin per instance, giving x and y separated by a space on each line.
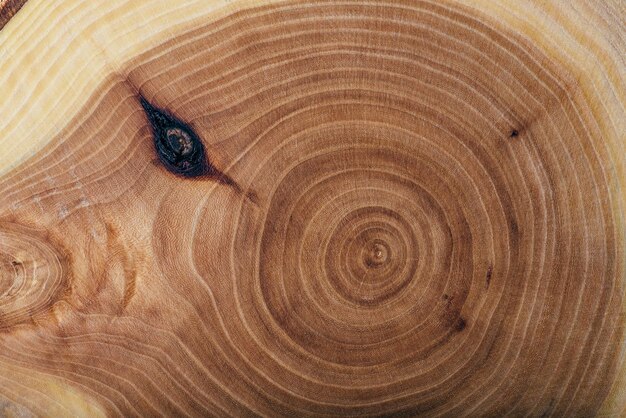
313 208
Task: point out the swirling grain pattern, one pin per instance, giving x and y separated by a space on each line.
424 212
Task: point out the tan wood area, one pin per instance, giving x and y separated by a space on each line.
312 208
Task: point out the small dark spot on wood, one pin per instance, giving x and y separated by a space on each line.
488 275
451 315
514 133
181 151
178 147
548 411
514 233
460 324
15 263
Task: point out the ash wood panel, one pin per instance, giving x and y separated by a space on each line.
406 208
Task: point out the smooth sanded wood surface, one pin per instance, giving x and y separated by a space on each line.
410 208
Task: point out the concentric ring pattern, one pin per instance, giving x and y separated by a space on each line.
434 232
33 275
422 218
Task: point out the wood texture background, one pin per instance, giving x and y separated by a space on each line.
424 214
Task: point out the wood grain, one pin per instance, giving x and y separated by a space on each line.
410 208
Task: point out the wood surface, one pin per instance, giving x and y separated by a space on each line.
313 208
8 9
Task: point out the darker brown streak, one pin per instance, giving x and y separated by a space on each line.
460 324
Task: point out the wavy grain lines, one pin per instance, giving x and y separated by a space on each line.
435 229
